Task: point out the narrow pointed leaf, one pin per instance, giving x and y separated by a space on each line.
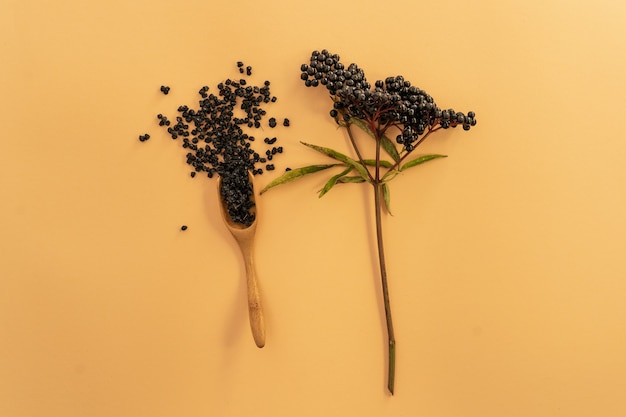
294 174
389 147
361 125
385 142
382 162
390 175
342 158
350 179
387 197
421 160
333 180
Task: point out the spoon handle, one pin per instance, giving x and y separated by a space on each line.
257 322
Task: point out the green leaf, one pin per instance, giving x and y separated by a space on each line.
361 125
385 142
333 180
386 197
295 174
389 175
342 158
382 163
390 148
421 160
351 179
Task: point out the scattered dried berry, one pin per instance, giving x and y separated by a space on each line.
213 136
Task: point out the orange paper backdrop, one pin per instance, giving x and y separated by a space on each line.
506 259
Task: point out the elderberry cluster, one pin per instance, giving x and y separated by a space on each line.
392 102
216 141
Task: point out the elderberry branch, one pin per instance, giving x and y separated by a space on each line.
390 103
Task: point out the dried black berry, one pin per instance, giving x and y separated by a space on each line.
183 228
165 90
215 143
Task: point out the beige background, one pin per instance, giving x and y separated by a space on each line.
506 260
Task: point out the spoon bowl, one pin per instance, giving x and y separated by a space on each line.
244 235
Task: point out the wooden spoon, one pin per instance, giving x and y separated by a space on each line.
244 235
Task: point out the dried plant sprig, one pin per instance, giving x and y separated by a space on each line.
388 106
